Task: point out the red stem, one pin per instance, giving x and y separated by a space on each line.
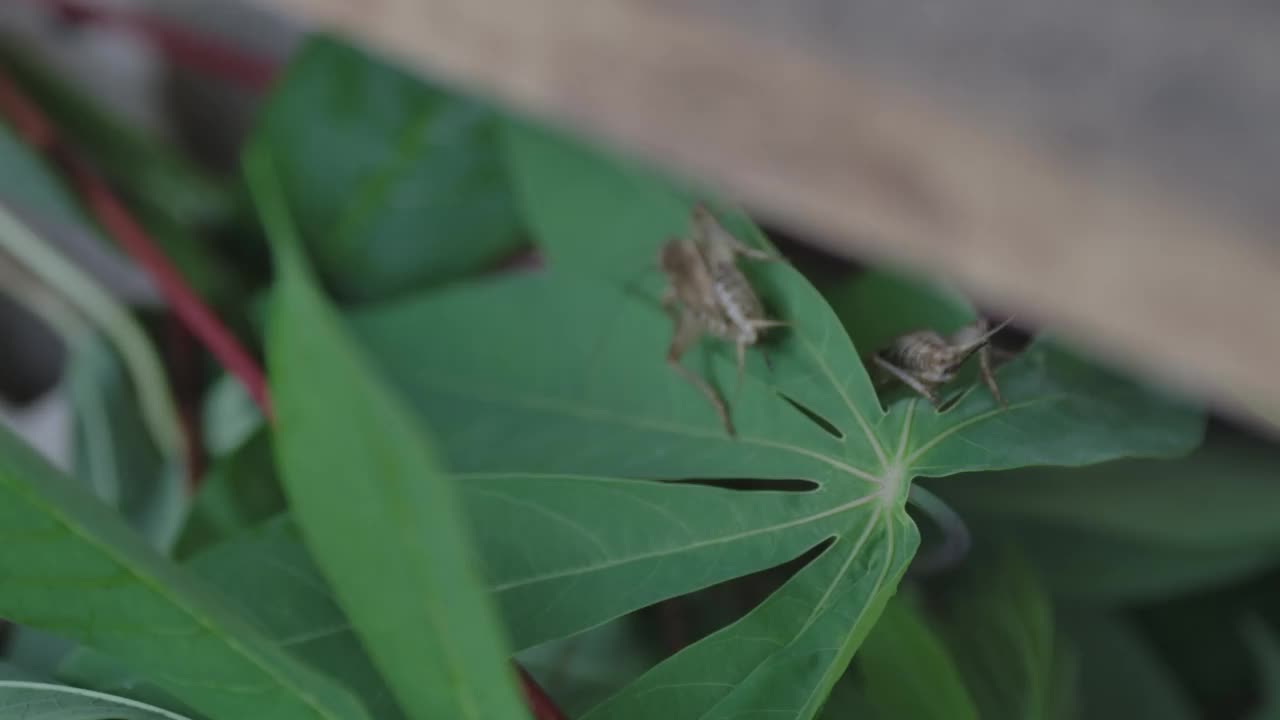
540 704
31 124
204 53
186 385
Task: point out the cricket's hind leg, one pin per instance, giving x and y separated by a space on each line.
686 333
989 377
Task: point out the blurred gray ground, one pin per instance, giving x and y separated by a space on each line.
1184 90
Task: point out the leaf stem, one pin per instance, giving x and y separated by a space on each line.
956 539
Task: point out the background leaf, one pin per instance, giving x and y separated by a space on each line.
69 565
393 184
1121 677
1136 530
582 671
999 625
382 521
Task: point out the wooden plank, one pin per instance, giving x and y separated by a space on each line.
1107 167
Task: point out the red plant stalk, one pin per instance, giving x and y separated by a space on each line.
33 126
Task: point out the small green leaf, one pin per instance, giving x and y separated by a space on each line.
229 416
69 565
907 671
381 519
27 699
393 184
240 491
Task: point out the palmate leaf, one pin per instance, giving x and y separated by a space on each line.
550 390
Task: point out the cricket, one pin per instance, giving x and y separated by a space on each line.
707 294
925 360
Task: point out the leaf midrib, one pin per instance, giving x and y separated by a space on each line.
582 570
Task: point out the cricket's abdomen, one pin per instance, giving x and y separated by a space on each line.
739 304
923 353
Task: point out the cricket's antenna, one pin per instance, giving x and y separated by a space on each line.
986 337
983 340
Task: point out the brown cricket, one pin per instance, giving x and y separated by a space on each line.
924 360
708 294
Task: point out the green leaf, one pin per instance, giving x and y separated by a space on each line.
69 565
238 492
114 453
1132 530
229 416
560 375
907 671
382 520
394 184
1121 678
22 697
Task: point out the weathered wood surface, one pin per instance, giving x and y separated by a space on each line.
1108 167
